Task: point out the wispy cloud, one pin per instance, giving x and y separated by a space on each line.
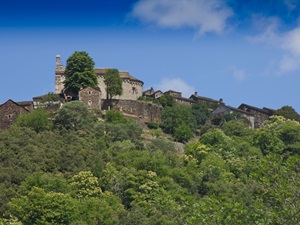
175 84
202 15
288 42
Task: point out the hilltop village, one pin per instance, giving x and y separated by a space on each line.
130 103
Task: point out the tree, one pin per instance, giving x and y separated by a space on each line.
288 112
167 100
40 207
201 113
75 116
113 83
173 117
37 120
80 72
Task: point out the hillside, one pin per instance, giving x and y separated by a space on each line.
80 169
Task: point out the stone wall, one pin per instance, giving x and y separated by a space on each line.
146 111
9 112
131 90
91 97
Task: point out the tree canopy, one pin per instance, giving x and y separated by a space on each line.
288 112
114 172
113 83
79 72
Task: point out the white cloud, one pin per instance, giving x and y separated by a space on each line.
269 27
175 84
202 15
291 41
288 42
288 64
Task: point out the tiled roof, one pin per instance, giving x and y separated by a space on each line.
204 98
9 100
123 74
264 110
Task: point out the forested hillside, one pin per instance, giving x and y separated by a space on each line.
81 170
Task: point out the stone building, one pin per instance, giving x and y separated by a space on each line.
91 97
208 101
9 111
223 110
260 115
132 87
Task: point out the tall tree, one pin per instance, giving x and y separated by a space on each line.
288 112
80 72
113 83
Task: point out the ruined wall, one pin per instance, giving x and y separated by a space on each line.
146 111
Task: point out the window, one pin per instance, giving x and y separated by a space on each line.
134 90
90 92
90 102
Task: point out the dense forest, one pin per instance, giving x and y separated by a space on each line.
88 168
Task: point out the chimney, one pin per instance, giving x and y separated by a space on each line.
196 93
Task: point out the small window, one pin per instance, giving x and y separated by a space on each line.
134 90
90 92
9 116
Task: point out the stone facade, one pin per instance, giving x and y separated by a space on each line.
260 115
146 111
91 97
27 105
223 110
132 87
9 111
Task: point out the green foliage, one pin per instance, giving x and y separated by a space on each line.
42 208
151 125
235 128
201 113
75 116
178 116
167 100
50 97
183 133
113 83
108 174
84 184
80 72
38 120
288 112
149 99
115 117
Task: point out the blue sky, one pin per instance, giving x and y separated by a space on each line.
244 51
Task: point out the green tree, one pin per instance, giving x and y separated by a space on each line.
75 116
50 97
173 117
42 208
115 117
113 83
201 113
85 184
38 120
166 100
288 112
80 72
